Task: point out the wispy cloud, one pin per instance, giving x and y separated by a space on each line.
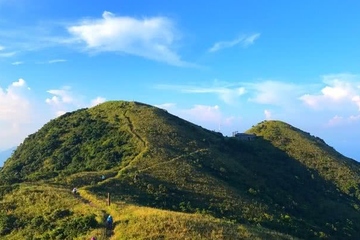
244 41
225 92
7 54
152 38
275 93
267 92
17 63
57 61
21 39
337 120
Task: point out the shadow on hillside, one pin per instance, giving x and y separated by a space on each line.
300 199
287 184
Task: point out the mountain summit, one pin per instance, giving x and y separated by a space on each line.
284 179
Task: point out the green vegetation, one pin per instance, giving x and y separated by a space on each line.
171 179
314 153
45 212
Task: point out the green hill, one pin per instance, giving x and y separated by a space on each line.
284 184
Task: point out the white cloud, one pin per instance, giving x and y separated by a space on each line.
13 101
340 91
16 113
204 113
2 48
65 100
245 41
22 114
57 61
337 94
268 114
63 95
19 83
97 101
249 40
17 63
151 38
265 92
62 100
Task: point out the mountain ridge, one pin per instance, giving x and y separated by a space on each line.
285 180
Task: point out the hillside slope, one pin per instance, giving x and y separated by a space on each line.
314 153
286 180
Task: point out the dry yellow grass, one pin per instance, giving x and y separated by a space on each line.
136 222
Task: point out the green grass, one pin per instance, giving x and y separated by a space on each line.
136 222
47 212
168 176
52 212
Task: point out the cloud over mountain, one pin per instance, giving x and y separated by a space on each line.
152 38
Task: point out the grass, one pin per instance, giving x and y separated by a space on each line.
48 212
163 172
53 207
137 222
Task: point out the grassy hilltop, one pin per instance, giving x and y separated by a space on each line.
171 179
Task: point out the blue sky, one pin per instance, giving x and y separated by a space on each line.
225 65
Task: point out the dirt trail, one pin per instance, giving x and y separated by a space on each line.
132 131
172 160
104 233
136 135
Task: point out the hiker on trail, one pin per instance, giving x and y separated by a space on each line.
74 191
136 177
109 222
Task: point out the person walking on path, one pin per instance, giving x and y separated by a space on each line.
109 222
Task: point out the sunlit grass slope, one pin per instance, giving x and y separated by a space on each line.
41 211
38 211
162 169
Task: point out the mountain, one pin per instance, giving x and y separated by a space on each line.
283 184
4 155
